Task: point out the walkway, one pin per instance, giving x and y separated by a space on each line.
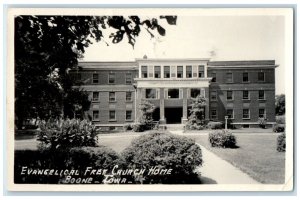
215 170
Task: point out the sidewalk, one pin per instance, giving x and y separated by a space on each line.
215 170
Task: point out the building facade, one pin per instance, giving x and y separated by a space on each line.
242 90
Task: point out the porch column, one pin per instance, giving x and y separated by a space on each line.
162 119
137 105
184 106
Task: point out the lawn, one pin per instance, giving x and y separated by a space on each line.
256 156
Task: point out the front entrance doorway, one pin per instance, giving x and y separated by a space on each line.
173 115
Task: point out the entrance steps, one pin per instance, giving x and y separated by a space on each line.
174 127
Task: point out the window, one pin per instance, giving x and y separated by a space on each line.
213 114
213 96
150 93
230 113
112 96
112 115
261 94
261 76
95 78
189 71
166 71
95 115
111 78
179 71
229 78
201 71
214 77
195 92
229 95
128 78
128 114
246 114
95 96
173 93
245 77
144 72
157 72
262 113
128 96
246 94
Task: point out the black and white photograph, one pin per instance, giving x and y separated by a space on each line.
192 99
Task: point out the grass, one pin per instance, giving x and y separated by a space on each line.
256 156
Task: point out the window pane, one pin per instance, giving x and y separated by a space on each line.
261 76
229 95
246 94
112 96
213 114
214 77
150 93
95 96
95 78
173 93
157 71
128 79
179 71
128 114
213 95
261 94
229 78
261 113
111 79
95 115
144 72
189 71
112 114
195 92
128 96
166 71
201 71
230 113
245 77
246 113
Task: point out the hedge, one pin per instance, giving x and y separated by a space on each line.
222 138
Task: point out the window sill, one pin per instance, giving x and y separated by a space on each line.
129 120
112 120
129 101
246 99
246 118
112 101
230 99
261 99
95 101
246 82
111 83
96 120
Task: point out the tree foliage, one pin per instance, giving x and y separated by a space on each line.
146 119
280 104
47 47
196 119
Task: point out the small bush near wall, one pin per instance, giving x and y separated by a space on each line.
222 138
278 128
262 122
164 151
62 159
60 134
127 127
280 119
215 125
138 127
281 143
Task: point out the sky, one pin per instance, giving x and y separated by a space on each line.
219 38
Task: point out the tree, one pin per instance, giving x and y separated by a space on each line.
196 119
146 119
280 104
47 47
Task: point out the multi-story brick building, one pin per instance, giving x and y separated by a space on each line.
242 90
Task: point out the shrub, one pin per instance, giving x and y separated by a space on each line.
164 151
146 119
278 128
138 127
262 122
194 126
281 142
68 133
63 159
222 138
280 119
196 120
215 125
127 127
